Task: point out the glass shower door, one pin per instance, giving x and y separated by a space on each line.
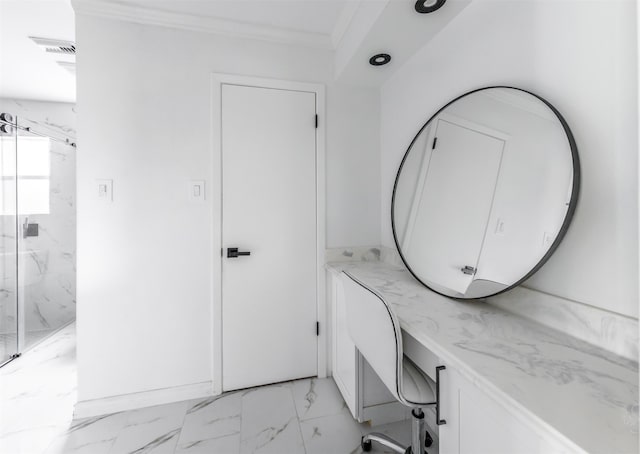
37 234
46 234
9 317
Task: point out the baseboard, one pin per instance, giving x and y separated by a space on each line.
124 402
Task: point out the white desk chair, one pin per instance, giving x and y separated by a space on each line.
375 331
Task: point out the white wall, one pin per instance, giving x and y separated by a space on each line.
579 55
144 261
353 167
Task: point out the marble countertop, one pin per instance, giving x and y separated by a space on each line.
585 396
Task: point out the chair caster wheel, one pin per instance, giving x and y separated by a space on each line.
365 445
428 441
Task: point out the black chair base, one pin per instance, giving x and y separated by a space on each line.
420 438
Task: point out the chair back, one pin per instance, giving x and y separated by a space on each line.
375 331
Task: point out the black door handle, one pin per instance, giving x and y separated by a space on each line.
232 252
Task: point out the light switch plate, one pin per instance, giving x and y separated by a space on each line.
105 190
197 191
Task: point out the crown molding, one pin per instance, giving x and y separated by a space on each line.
111 9
523 102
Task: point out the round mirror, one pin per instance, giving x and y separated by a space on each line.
485 192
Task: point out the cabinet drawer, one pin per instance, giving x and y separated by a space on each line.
421 357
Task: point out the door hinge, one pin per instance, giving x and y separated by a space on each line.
317 328
316 121
435 141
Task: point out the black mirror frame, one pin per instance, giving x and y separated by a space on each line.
575 192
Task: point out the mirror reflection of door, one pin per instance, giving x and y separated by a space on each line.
505 163
460 167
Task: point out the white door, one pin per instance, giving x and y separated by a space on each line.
268 209
454 204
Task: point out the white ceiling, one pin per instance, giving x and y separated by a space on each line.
26 71
311 16
355 29
379 31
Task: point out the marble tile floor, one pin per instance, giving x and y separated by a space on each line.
35 336
38 392
8 341
7 345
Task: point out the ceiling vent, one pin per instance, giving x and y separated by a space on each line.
55 46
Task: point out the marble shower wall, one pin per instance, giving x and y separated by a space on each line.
47 263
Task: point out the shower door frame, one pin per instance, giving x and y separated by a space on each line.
19 310
20 324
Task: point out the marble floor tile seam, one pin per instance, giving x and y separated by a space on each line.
297 416
304 445
278 425
322 398
201 411
168 433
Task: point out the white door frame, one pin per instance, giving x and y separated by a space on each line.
216 197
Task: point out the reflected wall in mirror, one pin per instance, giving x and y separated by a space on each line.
485 192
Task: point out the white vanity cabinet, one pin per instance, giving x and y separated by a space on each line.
475 423
499 391
366 396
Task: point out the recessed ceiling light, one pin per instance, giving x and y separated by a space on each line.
380 59
429 6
